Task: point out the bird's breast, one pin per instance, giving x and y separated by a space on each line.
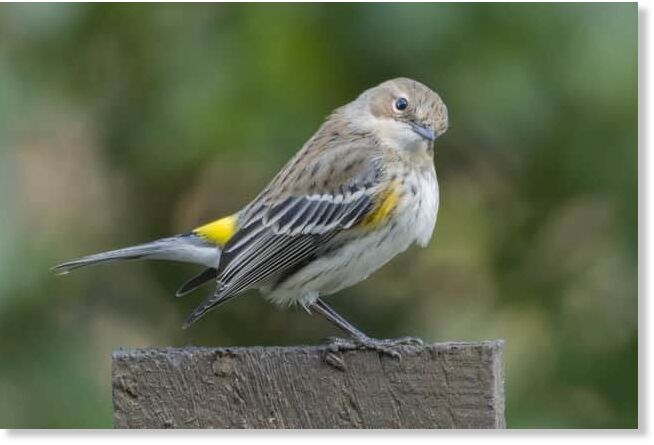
420 206
410 202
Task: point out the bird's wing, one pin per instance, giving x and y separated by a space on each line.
278 232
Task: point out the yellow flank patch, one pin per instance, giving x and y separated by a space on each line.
218 232
386 203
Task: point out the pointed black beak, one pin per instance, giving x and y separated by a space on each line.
425 132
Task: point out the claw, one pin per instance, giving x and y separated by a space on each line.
334 359
386 346
408 341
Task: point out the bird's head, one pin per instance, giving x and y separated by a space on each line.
402 113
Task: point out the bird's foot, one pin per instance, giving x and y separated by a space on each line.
383 346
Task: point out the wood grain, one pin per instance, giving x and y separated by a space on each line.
446 385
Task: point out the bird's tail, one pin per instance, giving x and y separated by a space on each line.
188 248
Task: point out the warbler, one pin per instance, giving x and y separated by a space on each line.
361 190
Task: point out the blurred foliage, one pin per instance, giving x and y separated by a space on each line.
124 123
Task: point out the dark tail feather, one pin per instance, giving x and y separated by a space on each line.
185 248
197 281
129 253
219 298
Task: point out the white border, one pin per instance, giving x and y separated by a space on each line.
576 437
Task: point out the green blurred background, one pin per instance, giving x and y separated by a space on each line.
121 124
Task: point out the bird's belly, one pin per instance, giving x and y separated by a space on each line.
353 257
426 206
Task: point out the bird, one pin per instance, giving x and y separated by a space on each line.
360 191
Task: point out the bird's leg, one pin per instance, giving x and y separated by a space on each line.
336 319
357 340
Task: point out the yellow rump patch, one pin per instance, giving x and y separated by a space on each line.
386 203
218 232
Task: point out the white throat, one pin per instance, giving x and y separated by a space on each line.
400 135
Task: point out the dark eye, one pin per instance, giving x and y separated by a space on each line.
401 104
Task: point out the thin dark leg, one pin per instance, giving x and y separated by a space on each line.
320 307
359 339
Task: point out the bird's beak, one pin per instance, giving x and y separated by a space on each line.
425 132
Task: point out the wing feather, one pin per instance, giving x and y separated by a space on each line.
305 224
277 233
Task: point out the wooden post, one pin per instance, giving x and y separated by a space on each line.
446 385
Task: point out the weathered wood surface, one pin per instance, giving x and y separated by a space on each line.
447 385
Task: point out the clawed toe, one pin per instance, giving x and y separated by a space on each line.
385 346
415 341
387 350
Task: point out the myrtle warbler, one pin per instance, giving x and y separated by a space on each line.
359 192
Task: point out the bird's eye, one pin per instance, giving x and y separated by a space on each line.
401 104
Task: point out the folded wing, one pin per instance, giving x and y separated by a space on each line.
279 233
